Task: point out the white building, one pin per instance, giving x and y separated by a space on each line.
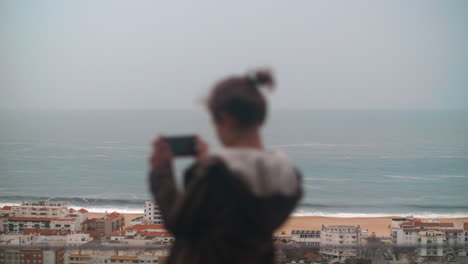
42 209
142 235
339 242
18 224
306 237
137 221
152 213
81 215
431 238
45 237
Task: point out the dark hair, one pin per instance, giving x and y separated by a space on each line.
240 97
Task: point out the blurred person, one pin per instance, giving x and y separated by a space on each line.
233 200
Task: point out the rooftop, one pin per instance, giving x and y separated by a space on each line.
45 232
145 227
113 215
125 257
433 224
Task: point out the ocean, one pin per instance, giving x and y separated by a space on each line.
354 162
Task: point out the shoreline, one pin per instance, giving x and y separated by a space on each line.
378 225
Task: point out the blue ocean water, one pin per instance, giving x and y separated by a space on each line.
354 162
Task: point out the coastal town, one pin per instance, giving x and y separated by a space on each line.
53 232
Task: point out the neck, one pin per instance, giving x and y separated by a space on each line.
248 138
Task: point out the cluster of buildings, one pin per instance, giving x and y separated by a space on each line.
48 232
336 242
447 240
431 239
35 227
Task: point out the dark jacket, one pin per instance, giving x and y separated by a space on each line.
232 203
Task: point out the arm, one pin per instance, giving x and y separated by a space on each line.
177 207
189 212
164 189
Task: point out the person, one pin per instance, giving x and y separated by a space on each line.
233 200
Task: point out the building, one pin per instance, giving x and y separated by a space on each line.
105 225
306 237
31 256
45 237
142 235
137 220
7 210
340 242
464 251
10 256
17 224
79 259
5 213
81 215
42 209
433 239
115 256
152 214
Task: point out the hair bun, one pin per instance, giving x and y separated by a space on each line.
262 78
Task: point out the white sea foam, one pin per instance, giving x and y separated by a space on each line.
454 176
408 177
316 144
327 179
298 212
356 215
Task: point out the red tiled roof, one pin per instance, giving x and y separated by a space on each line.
6 207
83 211
141 229
45 231
124 257
432 229
118 233
433 224
64 219
163 234
113 214
145 227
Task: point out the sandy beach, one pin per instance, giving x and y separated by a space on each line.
378 225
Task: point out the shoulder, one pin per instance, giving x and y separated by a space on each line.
204 169
267 172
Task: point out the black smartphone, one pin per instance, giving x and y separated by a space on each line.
182 145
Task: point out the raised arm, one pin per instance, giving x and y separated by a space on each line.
189 212
184 212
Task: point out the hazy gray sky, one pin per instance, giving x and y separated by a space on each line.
155 54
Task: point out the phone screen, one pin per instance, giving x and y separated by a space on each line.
182 145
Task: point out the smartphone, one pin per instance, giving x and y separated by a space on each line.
182 145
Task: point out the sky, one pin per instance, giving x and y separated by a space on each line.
168 54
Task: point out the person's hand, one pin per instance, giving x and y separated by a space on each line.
202 148
162 154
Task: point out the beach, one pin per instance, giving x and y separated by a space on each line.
378 225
